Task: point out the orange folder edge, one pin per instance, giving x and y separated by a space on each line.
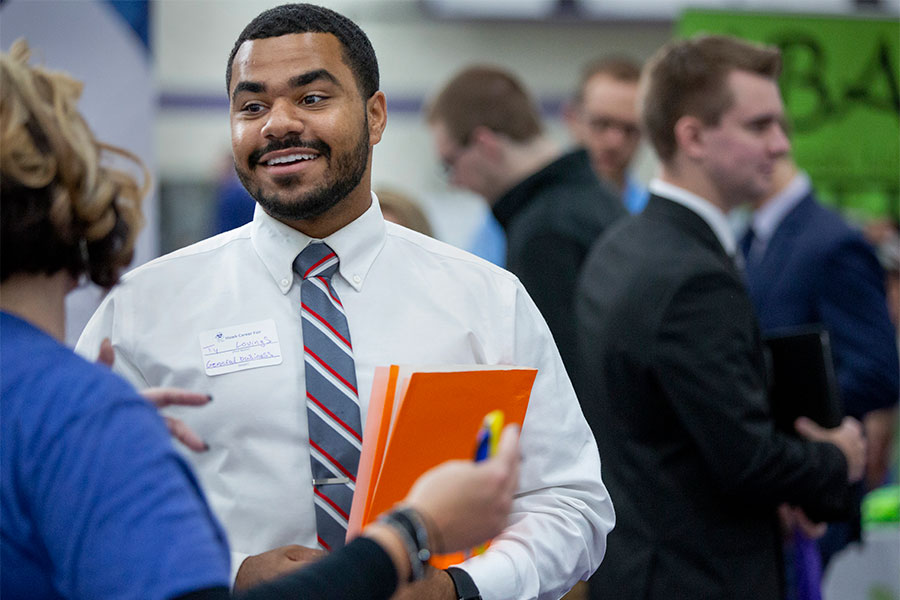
378 423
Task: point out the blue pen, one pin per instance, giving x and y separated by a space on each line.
486 446
489 435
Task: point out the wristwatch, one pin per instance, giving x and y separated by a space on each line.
465 587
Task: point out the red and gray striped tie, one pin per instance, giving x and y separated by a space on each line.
332 399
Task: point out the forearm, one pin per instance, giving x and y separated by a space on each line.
362 569
392 545
436 586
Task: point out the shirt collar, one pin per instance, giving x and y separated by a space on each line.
705 209
767 219
356 245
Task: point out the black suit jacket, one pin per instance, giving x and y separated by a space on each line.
673 388
551 219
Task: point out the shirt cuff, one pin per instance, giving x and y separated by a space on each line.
495 575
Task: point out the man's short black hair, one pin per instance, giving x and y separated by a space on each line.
307 18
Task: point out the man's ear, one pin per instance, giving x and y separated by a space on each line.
376 110
486 142
689 136
571 117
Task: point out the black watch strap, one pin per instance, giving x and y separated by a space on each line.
465 587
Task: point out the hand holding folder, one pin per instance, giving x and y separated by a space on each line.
419 417
467 502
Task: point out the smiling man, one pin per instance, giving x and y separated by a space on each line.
284 320
674 371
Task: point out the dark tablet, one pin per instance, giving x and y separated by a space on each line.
802 380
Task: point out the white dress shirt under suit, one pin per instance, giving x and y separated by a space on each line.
409 299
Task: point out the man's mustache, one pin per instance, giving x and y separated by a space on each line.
289 142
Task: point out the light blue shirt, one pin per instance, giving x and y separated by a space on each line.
634 196
489 241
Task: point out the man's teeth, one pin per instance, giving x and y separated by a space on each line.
290 158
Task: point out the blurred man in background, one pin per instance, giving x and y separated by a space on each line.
603 119
804 265
488 133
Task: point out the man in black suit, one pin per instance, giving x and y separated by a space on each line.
674 384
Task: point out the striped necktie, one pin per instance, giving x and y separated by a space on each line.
332 399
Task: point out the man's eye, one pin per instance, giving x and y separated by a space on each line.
252 107
312 99
761 126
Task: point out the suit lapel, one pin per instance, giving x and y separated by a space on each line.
690 223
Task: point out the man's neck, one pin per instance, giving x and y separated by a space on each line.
39 299
694 182
338 216
522 160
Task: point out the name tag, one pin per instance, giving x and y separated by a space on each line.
240 347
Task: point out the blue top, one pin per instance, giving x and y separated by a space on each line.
635 196
94 500
234 205
489 241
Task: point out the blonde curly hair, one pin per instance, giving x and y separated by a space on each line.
61 208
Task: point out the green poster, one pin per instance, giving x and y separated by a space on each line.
840 88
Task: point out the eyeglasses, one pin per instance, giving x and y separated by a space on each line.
448 163
604 124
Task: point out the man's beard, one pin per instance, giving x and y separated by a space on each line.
342 177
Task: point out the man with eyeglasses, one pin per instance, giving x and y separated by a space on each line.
602 118
488 134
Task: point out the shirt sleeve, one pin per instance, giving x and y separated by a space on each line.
117 509
562 512
110 322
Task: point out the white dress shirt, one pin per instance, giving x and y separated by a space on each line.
409 299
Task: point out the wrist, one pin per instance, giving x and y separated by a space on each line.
409 527
390 541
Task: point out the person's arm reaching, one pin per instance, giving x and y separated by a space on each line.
161 397
460 504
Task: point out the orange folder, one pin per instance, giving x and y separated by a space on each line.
419 417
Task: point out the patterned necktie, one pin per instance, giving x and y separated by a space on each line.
332 400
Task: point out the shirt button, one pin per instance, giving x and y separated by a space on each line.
357 279
284 282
